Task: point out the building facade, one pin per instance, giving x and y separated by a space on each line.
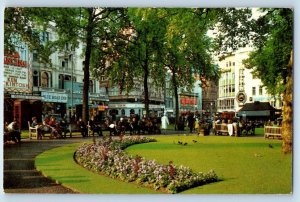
19 100
33 88
209 98
125 103
238 86
187 100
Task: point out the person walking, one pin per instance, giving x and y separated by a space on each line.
164 123
191 122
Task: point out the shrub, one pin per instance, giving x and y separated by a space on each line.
107 156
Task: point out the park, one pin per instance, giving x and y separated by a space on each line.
182 100
243 165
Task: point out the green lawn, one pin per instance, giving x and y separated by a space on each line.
246 165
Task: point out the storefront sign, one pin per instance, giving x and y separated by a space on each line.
26 97
14 59
55 97
102 107
186 100
133 106
17 76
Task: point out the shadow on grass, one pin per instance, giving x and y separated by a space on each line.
73 179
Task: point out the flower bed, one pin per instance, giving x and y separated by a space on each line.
107 157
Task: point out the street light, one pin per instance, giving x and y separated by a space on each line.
211 116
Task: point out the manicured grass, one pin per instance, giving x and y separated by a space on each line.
59 165
246 165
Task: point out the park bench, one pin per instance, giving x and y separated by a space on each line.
73 127
221 129
33 132
272 131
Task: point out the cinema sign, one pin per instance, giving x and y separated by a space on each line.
17 75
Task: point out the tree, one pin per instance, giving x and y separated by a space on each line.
272 36
90 26
133 55
187 49
96 26
272 60
19 26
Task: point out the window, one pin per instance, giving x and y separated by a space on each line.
67 78
83 63
34 55
45 79
233 63
64 63
229 63
45 36
260 90
67 47
272 103
35 78
253 90
91 87
61 81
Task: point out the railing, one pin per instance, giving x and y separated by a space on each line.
272 131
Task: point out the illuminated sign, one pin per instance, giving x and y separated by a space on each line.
14 59
185 100
17 76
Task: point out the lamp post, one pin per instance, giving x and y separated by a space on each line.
211 116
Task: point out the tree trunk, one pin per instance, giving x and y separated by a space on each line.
86 82
174 82
287 112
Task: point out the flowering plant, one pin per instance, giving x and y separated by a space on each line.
107 157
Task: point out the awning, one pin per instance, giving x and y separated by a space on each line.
254 113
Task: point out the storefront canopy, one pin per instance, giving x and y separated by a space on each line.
256 109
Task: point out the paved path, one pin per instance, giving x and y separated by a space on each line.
20 175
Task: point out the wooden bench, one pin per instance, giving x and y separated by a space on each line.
33 132
221 129
272 131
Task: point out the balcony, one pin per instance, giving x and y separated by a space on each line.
45 89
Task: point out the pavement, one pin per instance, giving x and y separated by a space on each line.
20 174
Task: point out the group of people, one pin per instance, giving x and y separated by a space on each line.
136 125
234 127
57 129
193 121
93 126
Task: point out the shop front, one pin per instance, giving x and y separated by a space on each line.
19 101
188 103
22 107
54 103
98 106
126 109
